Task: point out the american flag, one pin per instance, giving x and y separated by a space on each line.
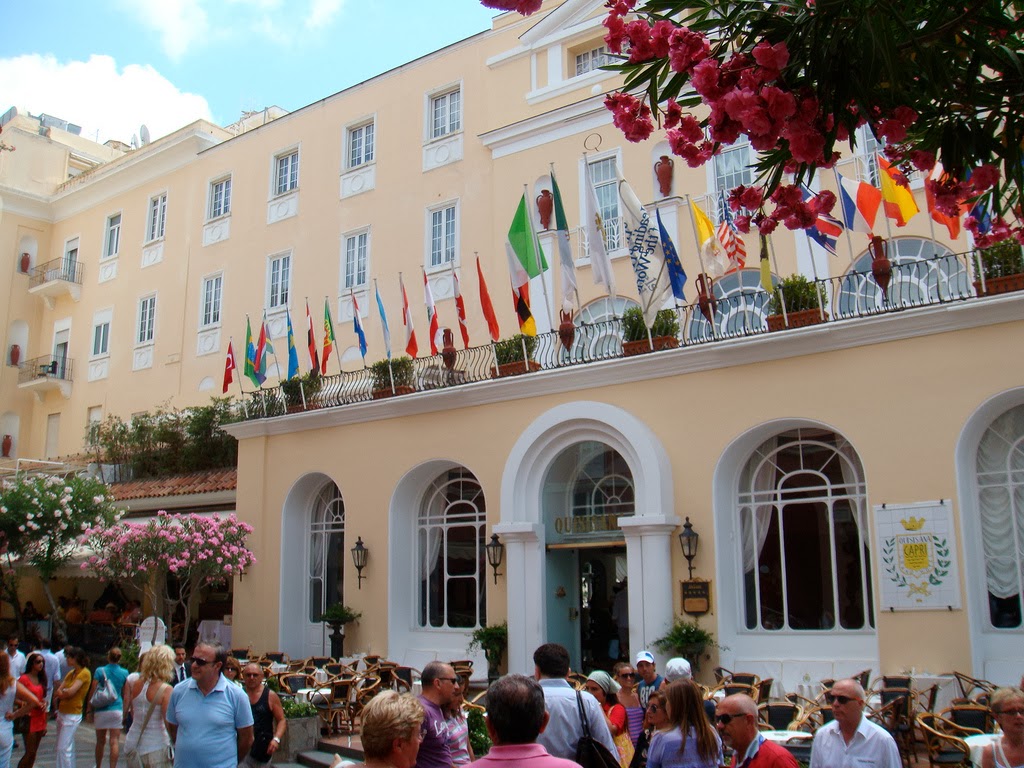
730 237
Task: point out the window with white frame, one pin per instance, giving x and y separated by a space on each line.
450 553
445 113
599 327
212 287
732 168
101 338
1000 482
604 175
157 217
147 320
360 145
804 536
588 61
741 307
220 198
602 483
92 424
354 269
112 237
326 552
444 224
70 265
279 277
286 172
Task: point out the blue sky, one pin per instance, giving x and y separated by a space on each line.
113 65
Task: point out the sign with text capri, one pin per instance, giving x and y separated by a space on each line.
916 556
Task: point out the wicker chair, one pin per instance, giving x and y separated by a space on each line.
974 716
764 690
334 705
291 682
744 678
944 749
968 685
242 654
780 715
404 677
275 657
366 687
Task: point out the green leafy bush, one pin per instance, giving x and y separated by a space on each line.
1000 260
401 369
511 350
340 614
800 294
634 328
294 708
478 737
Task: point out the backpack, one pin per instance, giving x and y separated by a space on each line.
104 695
591 753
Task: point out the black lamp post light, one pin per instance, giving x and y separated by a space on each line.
495 554
359 553
688 541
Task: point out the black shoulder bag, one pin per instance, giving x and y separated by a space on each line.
591 753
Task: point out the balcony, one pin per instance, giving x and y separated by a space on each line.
60 277
857 311
42 374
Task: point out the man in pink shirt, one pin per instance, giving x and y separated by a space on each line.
516 716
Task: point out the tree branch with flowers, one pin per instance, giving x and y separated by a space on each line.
934 81
43 516
170 558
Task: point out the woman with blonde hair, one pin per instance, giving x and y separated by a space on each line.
149 696
11 692
390 730
692 742
1007 705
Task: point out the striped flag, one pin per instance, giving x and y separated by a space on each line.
329 339
293 354
251 370
731 239
383 319
357 326
714 261
460 308
564 248
411 347
826 229
858 204
428 299
897 199
314 358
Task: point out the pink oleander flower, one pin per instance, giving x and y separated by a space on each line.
767 225
525 7
923 161
641 47
630 115
771 57
673 114
705 79
984 177
687 49
806 144
825 201
660 35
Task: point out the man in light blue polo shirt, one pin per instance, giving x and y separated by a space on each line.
209 718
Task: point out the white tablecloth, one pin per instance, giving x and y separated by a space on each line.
215 631
948 689
978 743
781 737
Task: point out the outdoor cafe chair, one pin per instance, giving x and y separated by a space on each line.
968 685
366 688
333 704
319 662
764 690
721 673
974 716
779 715
944 748
275 657
404 677
242 654
744 678
291 682
799 748
813 718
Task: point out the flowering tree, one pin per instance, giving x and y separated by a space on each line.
195 550
934 81
42 518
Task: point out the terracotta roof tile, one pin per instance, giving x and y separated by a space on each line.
209 481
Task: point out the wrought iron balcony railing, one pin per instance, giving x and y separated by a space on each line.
46 367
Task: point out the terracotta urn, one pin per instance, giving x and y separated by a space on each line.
881 267
566 329
448 348
705 297
8 441
15 355
663 172
545 204
25 261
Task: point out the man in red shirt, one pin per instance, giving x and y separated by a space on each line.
736 718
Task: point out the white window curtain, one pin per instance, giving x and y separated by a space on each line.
1000 472
754 528
853 479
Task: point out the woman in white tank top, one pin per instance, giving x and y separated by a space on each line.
1008 752
149 736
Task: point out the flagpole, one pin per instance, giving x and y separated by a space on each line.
538 255
700 257
276 361
782 295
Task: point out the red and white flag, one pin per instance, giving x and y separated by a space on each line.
435 330
314 357
460 308
229 368
411 347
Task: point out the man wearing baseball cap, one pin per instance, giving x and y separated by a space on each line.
678 668
650 680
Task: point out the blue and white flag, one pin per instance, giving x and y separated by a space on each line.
293 353
653 283
357 326
676 273
383 319
826 229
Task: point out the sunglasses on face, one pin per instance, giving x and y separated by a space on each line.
197 662
627 674
726 718
832 698
654 708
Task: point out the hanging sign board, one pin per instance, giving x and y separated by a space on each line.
917 558
696 596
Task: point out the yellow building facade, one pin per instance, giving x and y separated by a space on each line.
855 484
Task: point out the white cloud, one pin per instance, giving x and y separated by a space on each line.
179 23
322 12
98 97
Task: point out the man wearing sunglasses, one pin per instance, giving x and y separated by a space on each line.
439 685
209 718
736 720
851 740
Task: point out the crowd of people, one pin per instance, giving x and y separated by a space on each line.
209 711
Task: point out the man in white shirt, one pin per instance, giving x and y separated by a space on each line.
17 658
851 740
52 666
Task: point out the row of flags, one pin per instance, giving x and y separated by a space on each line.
655 260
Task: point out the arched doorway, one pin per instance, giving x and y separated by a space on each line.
526 494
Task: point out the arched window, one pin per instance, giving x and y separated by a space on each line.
603 484
450 552
1000 475
804 535
326 552
742 306
599 334
924 272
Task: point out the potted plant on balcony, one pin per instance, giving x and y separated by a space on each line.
803 304
514 356
336 617
1002 266
664 332
398 371
687 639
492 639
305 386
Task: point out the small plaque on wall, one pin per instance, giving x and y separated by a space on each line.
696 597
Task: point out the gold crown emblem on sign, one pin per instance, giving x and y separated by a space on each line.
913 523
